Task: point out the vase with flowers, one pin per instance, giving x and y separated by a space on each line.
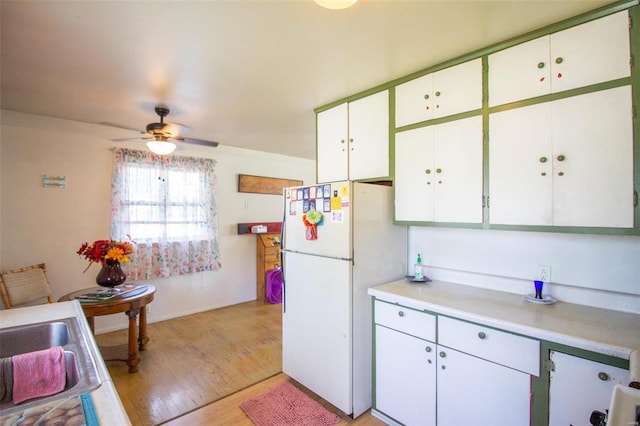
311 220
110 254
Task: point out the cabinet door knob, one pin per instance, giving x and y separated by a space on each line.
351 140
543 159
482 335
438 93
559 60
427 171
603 376
541 65
400 313
342 141
561 158
426 96
442 354
560 173
428 349
543 173
438 170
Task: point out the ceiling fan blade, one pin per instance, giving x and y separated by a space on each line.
201 142
174 129
118 126
129 139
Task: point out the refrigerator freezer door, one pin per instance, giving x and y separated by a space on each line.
334 234
316 326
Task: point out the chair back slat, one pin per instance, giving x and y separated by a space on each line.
24 286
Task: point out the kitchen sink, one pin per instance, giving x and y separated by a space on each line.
80 366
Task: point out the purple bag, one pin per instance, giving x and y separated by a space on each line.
274 285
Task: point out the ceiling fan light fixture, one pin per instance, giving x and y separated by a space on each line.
161 146
336 4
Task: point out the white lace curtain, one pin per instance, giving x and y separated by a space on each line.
168 207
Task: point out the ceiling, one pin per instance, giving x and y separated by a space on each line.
245 73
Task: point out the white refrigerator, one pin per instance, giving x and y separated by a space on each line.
327 324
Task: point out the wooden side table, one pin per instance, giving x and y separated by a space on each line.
267 258
131 304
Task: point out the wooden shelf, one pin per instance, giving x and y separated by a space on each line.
272 227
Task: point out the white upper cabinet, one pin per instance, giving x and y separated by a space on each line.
564 163
332 144
353 140
590 53
446 92
439 172
369 137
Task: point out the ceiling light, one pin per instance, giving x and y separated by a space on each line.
161 146
336 4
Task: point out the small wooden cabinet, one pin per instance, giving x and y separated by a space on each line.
267 258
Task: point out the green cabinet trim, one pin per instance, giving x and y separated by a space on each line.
562 95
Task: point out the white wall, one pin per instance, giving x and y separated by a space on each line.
49 225
596 270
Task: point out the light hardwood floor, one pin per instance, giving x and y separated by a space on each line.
198 369
227 411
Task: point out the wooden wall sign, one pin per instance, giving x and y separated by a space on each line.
264 185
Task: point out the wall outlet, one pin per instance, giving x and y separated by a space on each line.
543 273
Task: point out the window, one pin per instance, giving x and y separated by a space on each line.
168 206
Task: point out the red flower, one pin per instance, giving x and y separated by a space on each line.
98 251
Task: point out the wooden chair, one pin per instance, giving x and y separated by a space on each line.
25 286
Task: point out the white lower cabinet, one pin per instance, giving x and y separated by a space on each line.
578 387
419 382
473 391
405 377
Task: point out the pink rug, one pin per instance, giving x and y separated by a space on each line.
286 405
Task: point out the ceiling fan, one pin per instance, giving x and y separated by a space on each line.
160 136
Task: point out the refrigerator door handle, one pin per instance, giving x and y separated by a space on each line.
350 259
284 286
284 218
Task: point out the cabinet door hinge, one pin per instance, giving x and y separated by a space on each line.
635 198
630 23
550 365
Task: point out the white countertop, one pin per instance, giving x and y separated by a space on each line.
105 398
599 330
